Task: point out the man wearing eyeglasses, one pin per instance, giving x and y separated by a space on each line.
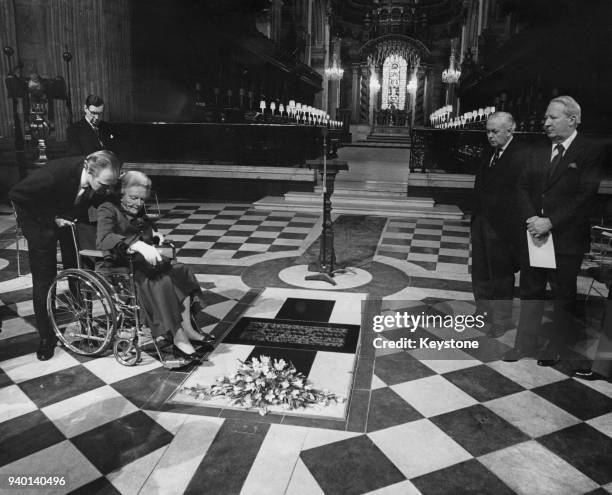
90 133
47 200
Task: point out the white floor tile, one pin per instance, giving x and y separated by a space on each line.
89 410
26 367
109 370
603 424
15 327
529 468
14 403
419 448
531 413
527 373
278 454
401 488
433 395
302 482
182 457
130 479
61 459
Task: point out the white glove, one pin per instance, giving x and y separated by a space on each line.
62 222
148 252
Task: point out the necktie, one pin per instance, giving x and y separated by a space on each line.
495 159
554 163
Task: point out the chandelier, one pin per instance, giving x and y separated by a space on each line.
451 75
335 72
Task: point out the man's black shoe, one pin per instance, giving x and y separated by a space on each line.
588 375
549 362
46 349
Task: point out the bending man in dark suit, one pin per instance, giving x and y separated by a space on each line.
557 189
47 200
90 133
496 224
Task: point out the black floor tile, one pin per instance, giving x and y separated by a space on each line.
351 467
306 309
26 434
192 253
424 250
205 238
478 429
101 486
466 478
209 298
483 383
115 444
150 389
4 379
226 245
389 409
269 228
259 240
225 467
394 241
459 260
393 254
427 237
19 346
576 398
400 367
585 448
292 235
55 387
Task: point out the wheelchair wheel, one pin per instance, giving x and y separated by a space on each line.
126 352
82 311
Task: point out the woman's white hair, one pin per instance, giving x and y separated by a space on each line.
135 178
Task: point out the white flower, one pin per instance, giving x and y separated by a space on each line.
250 386
285 384
280 364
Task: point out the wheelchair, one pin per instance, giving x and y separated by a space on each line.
92 312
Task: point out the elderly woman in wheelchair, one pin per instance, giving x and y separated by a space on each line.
133 280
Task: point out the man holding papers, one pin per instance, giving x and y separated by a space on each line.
556 191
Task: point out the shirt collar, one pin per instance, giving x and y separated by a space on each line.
567 143
503 148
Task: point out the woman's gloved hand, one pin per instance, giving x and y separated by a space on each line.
149 253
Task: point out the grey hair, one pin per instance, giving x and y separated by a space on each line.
135 178
103 159
506 116
572 109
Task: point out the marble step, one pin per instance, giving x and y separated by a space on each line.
359 205
346 198
368 188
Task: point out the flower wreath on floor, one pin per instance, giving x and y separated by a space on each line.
262 383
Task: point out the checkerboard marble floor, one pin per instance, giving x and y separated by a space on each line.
421 425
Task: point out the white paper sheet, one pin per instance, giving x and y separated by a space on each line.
541 251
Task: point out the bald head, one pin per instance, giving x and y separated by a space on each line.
500 126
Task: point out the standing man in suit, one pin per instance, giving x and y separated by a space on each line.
496 224
46 200
557 190
90 133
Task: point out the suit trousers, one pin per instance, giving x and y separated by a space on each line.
603 356
533 294
494 262
42 237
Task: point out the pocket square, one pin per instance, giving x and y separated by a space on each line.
573 165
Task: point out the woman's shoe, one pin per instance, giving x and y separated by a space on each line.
178 353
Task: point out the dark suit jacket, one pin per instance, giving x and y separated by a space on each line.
82 139
495 192
567 198
51 190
